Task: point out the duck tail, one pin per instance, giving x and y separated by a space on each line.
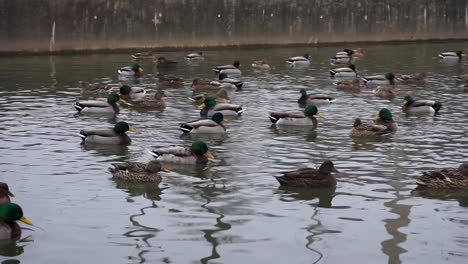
78 107
216 70
240 110
273 118
154 153
441 56
239 84
332 72
186 128
364 80
437 106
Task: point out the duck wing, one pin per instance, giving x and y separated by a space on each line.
301 177
128 166
98 132
174 150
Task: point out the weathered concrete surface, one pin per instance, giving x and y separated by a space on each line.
66 25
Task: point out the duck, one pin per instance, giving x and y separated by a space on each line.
163 63
358 53
451 56
410 105
205 126
314 99
210 107
387 79
448 178
143 56
137 172
385 91
415 78
260 65
354 85
299 60
344 72
197 153
231 71
9 214
128 71
306 118
131 94
114 136
198 56
93 89
322 177
165 81
100 106
383 124
157 103
221 97
343 57
229 83
205 85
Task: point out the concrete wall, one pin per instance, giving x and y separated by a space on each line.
61 25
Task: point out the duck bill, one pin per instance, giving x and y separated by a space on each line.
334 170
376 118
319 114
140 69
165 170
122 101
225 119
25 220
202 106
132 129
209 155
404 102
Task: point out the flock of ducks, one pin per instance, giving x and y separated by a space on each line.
213 99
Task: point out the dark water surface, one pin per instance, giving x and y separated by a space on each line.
233 211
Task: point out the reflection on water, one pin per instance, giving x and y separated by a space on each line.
233 210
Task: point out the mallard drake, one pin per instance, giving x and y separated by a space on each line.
230 70
226 82
114 136
349 85
299 60
420 106
314 99
194 56
9 213
260 65
165 81
96 106
306 118
343 57
448 178
387 79
451 56
134 70
93 89
131 94
344 72
385 91
137 171
143 56
157 103
415 78
162 63
210 107
196 154
205 126
221 97
309 177
384 124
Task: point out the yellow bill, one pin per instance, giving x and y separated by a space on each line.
132 129
209 155
404 102
165 170
122 101
319 114
25 220
140 69
377 117
202 106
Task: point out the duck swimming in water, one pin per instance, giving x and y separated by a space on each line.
448 178
383 124
99 106
156 103
210 107
93 89
205 126
344 72
165 81
131 94
299 61
382 80
114 136
196 154
451 56
410 105
306 118
198 56
129 71
310 178
314 99
9 214
231 71
137 171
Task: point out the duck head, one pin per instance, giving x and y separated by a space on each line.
390 77
11 212
459 54
218 117
384 115
122 128
113 98
200 148
327 167
306 56
136 68
352 67
311 110
349 52
155 166
236 64
208 103
408 100
125 89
